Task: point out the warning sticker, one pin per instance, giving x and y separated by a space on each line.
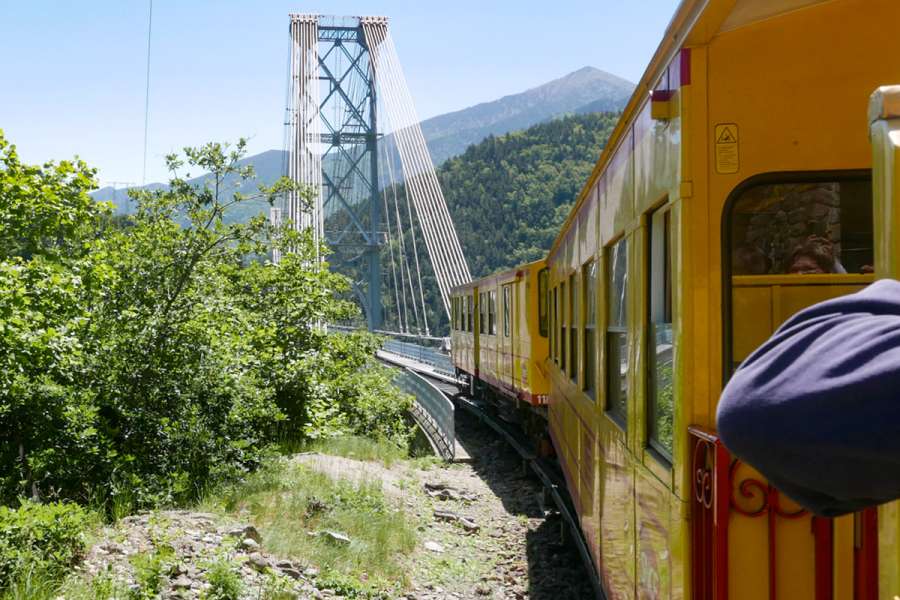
727 148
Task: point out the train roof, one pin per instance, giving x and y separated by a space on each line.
695 23
505 274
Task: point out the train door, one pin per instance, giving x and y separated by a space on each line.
789 242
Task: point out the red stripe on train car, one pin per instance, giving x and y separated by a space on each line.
685 66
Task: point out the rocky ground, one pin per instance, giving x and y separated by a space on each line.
483 533
180 550
516 551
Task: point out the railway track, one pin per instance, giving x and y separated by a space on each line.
546 471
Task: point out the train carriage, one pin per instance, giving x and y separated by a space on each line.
499 333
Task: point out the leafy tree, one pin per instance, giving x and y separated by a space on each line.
144 360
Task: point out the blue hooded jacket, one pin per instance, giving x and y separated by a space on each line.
816 409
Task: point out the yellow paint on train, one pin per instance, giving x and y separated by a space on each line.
735 190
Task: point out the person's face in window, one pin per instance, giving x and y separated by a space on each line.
805 265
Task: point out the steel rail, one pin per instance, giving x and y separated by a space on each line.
554 485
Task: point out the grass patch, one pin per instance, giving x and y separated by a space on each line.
350 446
305 514
36 584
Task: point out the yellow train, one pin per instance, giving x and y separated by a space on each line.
736 189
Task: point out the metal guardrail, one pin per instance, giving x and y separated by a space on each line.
423 354
433 411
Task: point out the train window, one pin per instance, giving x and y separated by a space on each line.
660 355
803 228
453 313
492 312
482 313
562 326
617 331
543 301
589 290
507 309
470 301
463 313
573 327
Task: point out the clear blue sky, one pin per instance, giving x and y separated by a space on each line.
74 72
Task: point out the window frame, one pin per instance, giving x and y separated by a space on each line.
734 196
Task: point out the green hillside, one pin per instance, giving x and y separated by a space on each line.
508 195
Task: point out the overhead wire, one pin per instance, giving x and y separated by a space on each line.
147 93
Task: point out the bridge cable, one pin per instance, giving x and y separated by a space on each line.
387 215
413 164
404 260
440 236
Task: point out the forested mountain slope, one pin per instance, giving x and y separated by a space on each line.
509 195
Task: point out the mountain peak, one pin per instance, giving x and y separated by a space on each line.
588 89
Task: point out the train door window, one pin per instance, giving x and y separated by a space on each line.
814 231
562 326
661 352
554 338
471 303
507 309
617 331
543 301
573 326
589 298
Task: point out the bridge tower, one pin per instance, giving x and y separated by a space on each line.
333 137
346 84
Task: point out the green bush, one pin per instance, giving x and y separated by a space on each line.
142 362
45 539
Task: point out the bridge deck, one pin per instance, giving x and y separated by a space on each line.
414 365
